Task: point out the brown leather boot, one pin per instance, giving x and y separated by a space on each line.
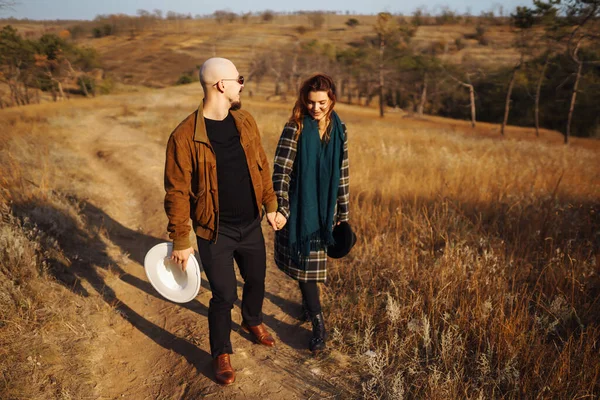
224 373
260 333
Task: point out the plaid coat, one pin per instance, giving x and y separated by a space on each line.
284 172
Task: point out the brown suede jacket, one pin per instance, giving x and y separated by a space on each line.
191 177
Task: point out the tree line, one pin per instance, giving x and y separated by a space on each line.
46 64
554 82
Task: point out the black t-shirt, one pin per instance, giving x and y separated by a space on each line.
237 203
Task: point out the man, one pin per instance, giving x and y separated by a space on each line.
217 174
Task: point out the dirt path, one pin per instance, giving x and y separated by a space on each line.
156 349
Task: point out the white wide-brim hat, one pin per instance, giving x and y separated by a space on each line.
166 276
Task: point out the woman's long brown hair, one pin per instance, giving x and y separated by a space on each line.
316 83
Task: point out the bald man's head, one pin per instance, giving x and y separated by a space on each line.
215 69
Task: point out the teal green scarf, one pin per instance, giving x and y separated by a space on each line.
314 192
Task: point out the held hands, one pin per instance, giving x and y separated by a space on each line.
276 220
271 219
280 220
181 257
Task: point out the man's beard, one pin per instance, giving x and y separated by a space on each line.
236 105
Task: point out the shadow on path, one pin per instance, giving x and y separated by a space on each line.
85 254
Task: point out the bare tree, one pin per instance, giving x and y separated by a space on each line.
522 19
158 14
511 84
259 66
291 68
579 63
469 86
51 68
381 78
316 19
583 15
546 14
385 27
538 91
278 69
424 69
423 96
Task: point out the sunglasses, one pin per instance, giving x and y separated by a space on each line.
239 79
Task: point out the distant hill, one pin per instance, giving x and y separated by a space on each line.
159 53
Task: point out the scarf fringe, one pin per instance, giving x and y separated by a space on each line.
316 241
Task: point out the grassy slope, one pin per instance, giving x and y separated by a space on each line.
160 54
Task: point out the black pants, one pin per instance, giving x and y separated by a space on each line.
247 246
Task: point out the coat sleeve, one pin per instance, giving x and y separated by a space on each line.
343 201
178 176
269 200
269 197
283 167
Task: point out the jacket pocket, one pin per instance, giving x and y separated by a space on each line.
199 206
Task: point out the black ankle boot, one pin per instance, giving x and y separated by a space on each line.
317 342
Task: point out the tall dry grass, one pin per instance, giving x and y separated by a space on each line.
476 273
47 333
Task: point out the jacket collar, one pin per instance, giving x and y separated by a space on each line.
200 134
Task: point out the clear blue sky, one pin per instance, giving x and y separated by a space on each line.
88 9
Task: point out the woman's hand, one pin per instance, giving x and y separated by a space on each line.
280 220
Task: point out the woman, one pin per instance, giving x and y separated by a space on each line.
310 178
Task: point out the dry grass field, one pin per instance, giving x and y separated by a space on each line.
476 272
